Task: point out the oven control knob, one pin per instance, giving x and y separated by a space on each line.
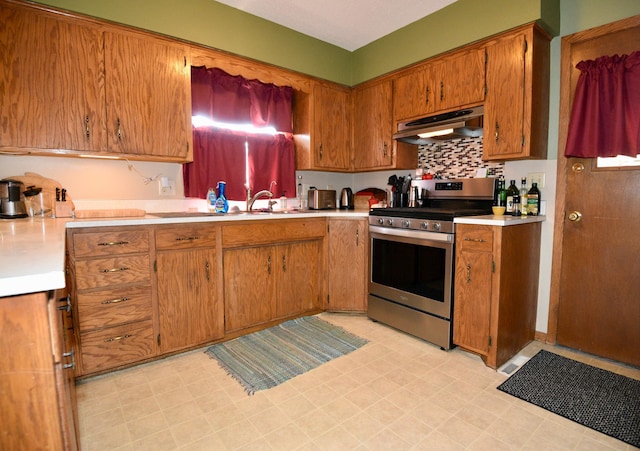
389 222
380 221
406 223
424 225
436 226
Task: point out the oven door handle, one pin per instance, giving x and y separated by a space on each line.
415 234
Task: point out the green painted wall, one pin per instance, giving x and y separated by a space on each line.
219 26
460 23
579 15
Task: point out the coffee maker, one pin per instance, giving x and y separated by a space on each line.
12 203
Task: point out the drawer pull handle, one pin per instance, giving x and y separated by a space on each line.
468 272
188 238
121 337
71 365
114 301
475 240
113 243
114 269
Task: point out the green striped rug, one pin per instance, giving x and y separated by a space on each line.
267 358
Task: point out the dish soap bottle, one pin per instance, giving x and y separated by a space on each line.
211 200
222 205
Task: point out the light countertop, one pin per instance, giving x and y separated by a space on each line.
32 250
501 221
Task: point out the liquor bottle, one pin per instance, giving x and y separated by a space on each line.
524 207
511 191
502 193
533 200
222 205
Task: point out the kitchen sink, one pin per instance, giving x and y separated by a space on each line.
181 214
195 214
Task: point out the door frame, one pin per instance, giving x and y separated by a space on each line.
566 96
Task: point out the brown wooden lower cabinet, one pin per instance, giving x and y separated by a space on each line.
270 282
348 263
272 270
37 392
190 310
496 289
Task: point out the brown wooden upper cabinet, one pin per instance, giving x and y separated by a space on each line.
516 118
330 122
53 95
63 73
450 82
148 97
373 126
373 145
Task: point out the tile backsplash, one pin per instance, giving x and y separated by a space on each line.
459 158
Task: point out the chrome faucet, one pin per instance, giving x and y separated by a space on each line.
265 192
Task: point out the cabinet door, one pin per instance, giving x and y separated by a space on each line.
53 91
249 284
299 283
348 264
148 100
473 276
189 311
414 94
504 106
330 143
373 130
460 80
60 312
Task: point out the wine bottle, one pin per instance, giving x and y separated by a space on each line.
533 200
524 207
511 191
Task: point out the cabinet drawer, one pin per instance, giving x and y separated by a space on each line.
103 272
109 348
474 238
108 308
96 244
186 236
269 232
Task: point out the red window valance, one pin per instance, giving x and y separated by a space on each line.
605 118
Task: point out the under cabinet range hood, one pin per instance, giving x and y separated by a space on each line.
442 127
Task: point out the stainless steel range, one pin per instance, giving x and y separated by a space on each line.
412 256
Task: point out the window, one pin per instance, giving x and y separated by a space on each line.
242 135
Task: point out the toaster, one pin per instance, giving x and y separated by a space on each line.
322 199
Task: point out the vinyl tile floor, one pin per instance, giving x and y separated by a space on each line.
395 393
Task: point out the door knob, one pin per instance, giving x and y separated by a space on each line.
577 168
575 216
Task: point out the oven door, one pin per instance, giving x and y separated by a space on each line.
412 268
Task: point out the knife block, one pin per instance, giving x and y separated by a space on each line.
63 209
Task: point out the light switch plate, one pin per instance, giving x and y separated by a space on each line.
536 177
166 186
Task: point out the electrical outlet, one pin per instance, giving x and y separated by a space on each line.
166 186
536 177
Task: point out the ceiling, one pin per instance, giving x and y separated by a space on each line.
349 24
